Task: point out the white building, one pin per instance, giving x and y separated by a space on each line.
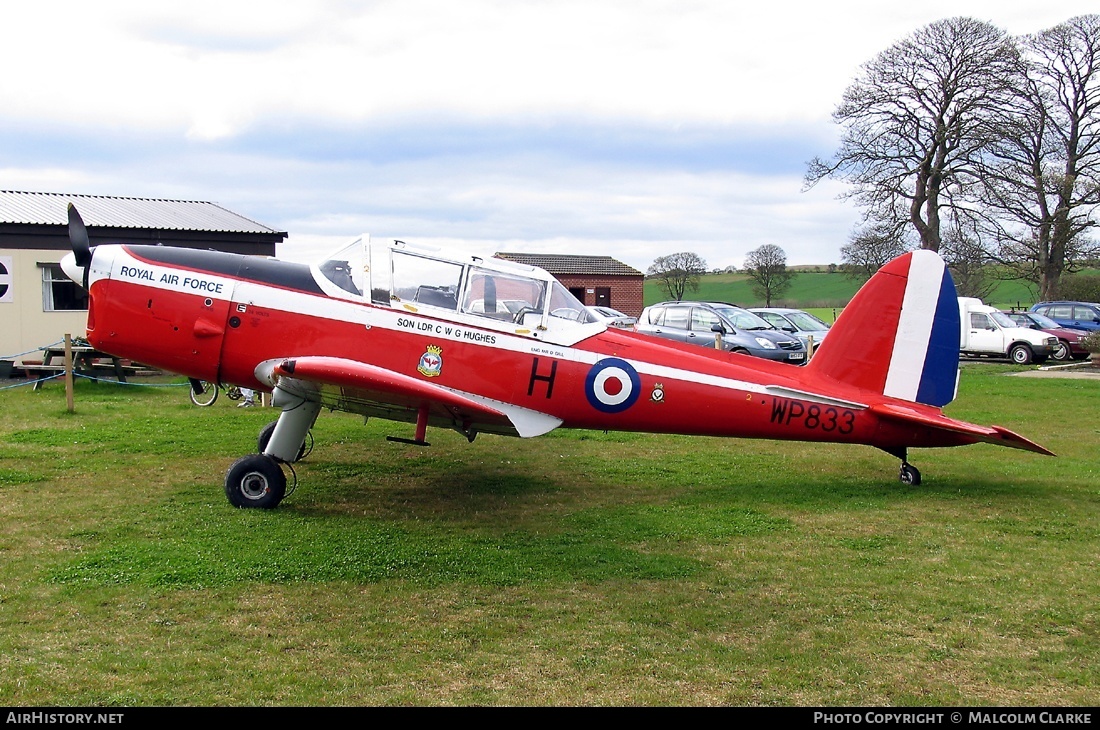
39 305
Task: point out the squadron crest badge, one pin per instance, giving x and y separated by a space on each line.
431 362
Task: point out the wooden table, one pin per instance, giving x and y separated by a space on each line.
86 360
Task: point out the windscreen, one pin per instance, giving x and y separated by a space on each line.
743 319
346 268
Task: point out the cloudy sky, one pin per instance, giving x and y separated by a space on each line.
632 129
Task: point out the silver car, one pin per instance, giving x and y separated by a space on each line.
802 325
612 317
715 323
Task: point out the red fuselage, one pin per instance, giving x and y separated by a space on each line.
216 317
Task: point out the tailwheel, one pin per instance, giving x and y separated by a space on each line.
909 475
255 481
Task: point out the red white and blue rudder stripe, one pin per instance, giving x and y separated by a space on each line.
924 362
899 336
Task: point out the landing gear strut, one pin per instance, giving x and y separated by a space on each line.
257 480
265 437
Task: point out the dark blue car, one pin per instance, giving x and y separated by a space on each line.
1072 315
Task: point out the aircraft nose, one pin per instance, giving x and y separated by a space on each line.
72 269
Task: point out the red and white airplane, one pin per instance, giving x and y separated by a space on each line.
482 345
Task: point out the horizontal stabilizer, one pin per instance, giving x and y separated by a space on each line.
988 434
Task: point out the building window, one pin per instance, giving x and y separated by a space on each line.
59 292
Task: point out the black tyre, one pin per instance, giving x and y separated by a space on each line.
1021 354
255 481
265 438
203 393
909 475
1061 352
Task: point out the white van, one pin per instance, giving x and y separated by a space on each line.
988 332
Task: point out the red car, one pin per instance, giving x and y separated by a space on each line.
1069 341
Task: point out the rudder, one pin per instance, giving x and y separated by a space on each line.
899 336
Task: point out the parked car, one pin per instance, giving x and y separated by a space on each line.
613 317
702 323
802 325
987 332
1072 315
1069 345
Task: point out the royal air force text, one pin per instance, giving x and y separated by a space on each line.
188 282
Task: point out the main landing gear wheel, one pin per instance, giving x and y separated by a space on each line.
265 437
255 481
909 475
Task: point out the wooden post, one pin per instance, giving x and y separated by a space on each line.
69 372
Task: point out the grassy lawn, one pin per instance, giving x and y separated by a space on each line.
817 291
580 568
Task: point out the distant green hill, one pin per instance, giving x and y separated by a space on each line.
813 290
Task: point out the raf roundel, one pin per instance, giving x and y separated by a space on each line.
612 385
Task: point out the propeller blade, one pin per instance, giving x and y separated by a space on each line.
78 238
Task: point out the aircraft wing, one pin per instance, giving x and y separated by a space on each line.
988 434
358 387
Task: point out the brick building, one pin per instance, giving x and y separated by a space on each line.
598 280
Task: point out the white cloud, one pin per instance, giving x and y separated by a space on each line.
212 67
633 128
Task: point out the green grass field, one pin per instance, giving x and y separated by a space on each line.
579 568
820 292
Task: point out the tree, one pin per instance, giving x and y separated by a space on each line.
677 273
915 121
767 268
967 260
869 248
1041 183
1081 288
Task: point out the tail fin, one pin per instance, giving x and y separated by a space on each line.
899 335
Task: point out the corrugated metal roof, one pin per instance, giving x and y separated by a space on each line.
112 212
569 264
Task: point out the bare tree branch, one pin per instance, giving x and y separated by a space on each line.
1041 180
767 267
677 273
914 122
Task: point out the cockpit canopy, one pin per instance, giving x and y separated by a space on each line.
397 274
